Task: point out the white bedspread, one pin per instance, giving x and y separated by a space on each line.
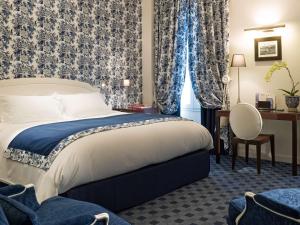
103 155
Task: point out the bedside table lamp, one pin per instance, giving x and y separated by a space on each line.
238 60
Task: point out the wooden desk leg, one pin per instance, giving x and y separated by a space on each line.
217 139
230 137
294 147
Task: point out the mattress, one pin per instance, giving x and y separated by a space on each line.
103 155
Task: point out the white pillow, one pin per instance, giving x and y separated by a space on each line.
25 109
83 105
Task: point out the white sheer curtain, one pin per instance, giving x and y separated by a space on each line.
190 107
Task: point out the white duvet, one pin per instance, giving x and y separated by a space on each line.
103 155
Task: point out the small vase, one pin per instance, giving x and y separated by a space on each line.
292 102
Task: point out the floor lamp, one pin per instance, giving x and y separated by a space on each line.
238 60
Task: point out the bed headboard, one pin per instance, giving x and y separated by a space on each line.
43 86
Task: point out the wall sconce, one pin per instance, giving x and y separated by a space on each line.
126 83
269 28
103 85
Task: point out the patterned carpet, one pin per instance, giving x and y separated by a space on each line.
205 202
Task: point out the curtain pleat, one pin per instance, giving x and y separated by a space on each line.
208 49
203 25
171 32
208 118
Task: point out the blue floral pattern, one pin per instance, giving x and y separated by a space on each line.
88 40
202 25
44 162
208 49
171 26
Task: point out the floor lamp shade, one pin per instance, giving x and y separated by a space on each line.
238 60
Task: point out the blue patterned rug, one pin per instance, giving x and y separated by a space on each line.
205 202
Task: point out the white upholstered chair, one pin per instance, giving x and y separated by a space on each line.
246 123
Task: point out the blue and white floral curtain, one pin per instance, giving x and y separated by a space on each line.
171 26
208 49
203 25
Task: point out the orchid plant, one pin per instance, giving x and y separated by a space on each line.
278 66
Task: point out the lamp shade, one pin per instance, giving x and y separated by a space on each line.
238 60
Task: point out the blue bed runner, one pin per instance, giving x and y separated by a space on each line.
39 146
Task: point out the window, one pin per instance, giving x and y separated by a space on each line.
190 107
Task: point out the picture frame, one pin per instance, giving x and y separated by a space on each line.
268 48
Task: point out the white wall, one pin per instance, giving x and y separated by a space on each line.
245 14
147 21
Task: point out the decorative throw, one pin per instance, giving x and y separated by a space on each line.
40 145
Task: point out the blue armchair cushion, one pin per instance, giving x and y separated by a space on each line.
22 194
11 190
283 201
258 215
20 207
3 219
54 211
17 213
83 219
276 207
236 207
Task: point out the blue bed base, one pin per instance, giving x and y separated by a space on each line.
131 189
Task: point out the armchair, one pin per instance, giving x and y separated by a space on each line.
276 207
19 206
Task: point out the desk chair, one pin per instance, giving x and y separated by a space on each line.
246 123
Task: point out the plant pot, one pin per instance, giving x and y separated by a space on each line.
292 102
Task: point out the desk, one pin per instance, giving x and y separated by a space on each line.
268 115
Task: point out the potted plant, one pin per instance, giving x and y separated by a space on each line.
291 97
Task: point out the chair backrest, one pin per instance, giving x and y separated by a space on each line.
245 121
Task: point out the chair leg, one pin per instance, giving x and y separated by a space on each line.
247 152
272 141
234 154
258 157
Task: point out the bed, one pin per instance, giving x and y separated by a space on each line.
117 168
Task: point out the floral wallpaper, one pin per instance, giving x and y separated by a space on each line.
95 41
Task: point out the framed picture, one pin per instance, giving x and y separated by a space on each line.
268 48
